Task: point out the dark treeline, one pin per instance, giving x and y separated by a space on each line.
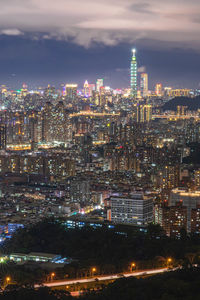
18 293
105 248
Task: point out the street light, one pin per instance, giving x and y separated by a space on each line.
8 279
2 260
133 265
169 261
52 275
93 270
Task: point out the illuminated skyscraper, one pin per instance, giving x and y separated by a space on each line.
86 89
99 84
136 209
47 122
144 113
144 84
158 89
71 90
134 74
2 136
24 90
49 91
197 177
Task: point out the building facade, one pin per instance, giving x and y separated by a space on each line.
135 209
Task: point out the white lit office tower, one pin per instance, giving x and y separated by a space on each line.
135 209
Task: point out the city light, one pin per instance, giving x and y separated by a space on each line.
133 265
134 50
8 279
52 275
100 149
2 260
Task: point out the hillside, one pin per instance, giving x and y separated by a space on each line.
191 103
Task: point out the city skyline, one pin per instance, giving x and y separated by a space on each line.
82 64
58 43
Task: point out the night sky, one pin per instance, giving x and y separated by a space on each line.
48 41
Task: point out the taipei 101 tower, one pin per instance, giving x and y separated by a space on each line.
133 74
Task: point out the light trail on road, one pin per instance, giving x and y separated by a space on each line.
102 278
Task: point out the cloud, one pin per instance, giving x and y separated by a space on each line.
11 31
142 69
122 70
144 8
107 21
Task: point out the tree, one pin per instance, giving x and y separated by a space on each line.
155 231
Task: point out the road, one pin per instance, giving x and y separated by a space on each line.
101 278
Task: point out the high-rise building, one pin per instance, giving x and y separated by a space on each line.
33 131
47 121
180 92
144 84
59 122
167 91
80 191
197 178
71 90
2 136
86 89
181 110
92 89
136 209
195 220
174 219
55 125
99 84
189 199
133 74
170 177
158 90
24 90
50 91
183 212
144 113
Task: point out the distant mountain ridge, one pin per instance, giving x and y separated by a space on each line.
191 103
